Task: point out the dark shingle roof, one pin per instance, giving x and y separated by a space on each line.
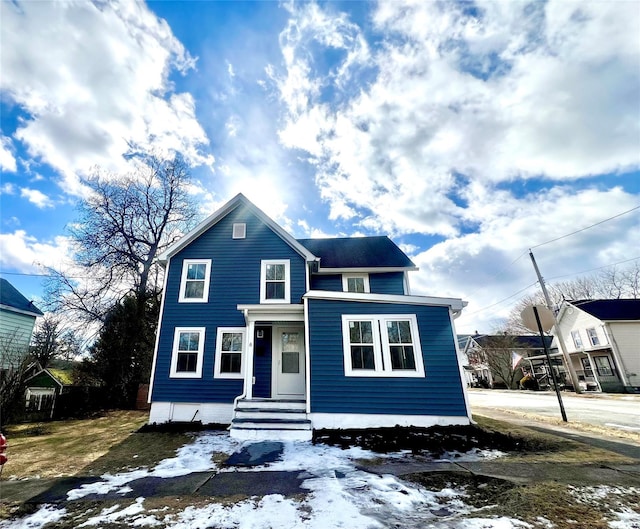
523 341
10 297
357 252
611 309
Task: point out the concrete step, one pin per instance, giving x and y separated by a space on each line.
270 434
271 404
266 423
264 413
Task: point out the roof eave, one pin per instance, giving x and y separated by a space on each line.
366 269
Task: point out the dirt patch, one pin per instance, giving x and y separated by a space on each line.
436 441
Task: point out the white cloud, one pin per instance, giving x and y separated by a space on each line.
7 189
497 93
480 267
36 197
24 253
103 87
7 159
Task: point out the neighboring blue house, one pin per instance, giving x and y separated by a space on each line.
278 336
17 319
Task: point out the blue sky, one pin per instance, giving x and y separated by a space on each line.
468 132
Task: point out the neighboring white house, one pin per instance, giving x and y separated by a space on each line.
17 319
602 337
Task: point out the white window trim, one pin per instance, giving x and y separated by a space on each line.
346 277
218 359
263 280
591 337
239 230
207 277
381 351
575 334
174 355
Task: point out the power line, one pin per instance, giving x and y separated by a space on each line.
587 228
594 269
502 300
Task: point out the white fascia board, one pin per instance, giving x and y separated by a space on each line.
215 217
454 303
366 270
272 312
20 311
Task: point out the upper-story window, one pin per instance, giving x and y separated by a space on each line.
355 283
194 287
577 339
381 346
593 337
275 281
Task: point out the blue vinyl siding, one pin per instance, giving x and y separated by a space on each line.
262 364
439 393
385 283
332 282
235 279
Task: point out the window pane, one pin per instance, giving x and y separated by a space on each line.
405 331
230 362
275 272
194 289
291 362
189 341
393 332
355 284
187 362
232 341
196 271
402 357
362 357
275 290
360 332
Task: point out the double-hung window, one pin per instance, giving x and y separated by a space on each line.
358 283
382 346
593 337
577 339
275 285
194 287
230 348
188 350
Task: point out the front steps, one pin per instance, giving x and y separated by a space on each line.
262 419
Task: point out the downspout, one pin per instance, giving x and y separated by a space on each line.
243 395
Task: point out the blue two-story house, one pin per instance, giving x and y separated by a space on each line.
278 337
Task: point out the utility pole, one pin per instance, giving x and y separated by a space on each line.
556 330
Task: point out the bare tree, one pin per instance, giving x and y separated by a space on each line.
52 340
123 224
610 283
497 353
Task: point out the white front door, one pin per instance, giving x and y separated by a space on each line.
289 362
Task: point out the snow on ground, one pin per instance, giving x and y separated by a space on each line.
340 496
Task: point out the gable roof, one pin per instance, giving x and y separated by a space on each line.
359 253
11 299
235 202
610 309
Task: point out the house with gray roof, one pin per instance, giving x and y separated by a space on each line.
278 336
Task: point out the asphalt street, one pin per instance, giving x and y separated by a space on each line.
615 412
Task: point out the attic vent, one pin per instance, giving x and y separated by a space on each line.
239 230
